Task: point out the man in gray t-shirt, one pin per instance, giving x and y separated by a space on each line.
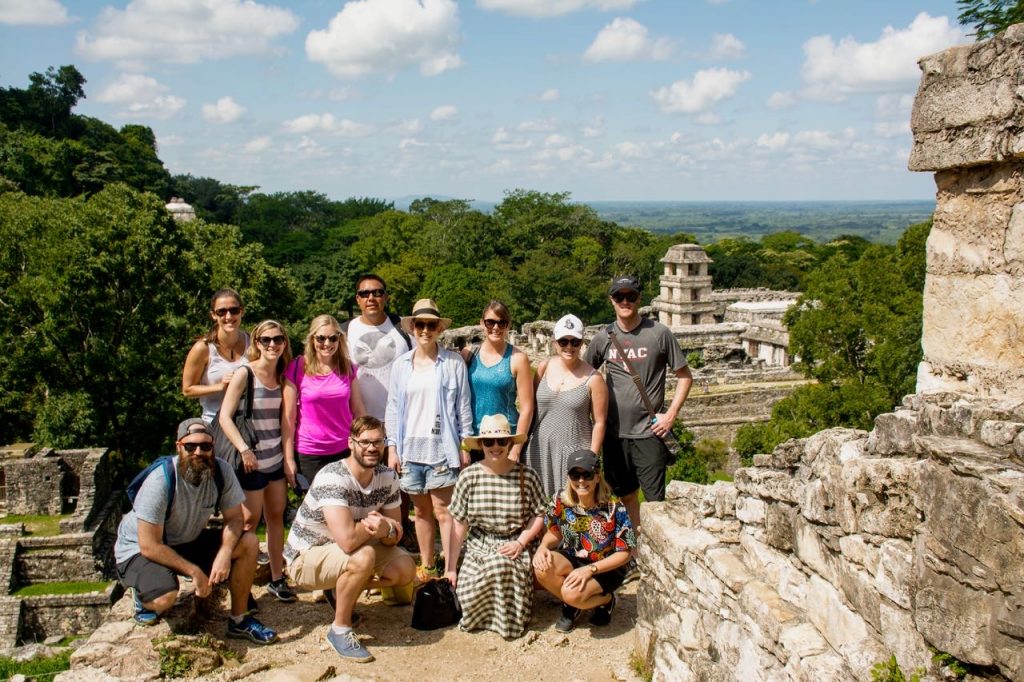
156 545
635 456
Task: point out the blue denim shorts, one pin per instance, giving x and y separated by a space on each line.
418 479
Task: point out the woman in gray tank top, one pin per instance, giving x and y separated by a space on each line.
215 356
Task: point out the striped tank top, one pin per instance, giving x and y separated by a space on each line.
266 419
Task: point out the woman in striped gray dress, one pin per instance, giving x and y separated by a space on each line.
496 510
261 473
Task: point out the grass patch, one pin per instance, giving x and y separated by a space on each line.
37 524
640 667
39 669
78 587
720 476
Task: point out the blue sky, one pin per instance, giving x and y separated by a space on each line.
606 99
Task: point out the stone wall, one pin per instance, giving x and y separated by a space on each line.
57 559
62 615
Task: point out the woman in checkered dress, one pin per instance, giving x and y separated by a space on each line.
497 508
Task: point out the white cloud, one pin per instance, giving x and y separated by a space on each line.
631 150
504 141
185 31
781 99
445 112
726 46
226 110
411 127
410 143
142 97
542 126
258 144
707 88
708 118
774 141
386 36
626 40
892 128
33 13
326 123
551 8
549 95
832 70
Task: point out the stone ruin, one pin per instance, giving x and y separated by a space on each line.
838 551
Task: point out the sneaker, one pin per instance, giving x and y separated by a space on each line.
632 572
262 559
603 614
251 606
348 646
282 590
144 616
251 629
568 620
357 617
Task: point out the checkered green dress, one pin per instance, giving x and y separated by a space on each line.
496 592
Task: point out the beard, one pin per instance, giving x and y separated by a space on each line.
365 461
197 470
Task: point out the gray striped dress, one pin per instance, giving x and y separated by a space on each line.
266 419
496 592
561 427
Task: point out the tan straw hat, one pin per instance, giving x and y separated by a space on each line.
425 309
493 426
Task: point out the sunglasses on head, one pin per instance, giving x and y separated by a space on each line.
268 341
321 339
205 446
500 324
429 325
578 474
619 297
367 293
565 343
490 442
232 310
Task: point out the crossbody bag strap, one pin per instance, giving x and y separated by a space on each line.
632 373
248 391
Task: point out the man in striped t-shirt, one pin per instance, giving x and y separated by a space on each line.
345 534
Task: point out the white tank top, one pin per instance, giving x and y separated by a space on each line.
216 367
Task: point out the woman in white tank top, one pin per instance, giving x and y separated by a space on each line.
214 357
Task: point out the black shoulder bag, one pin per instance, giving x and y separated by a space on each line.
222 445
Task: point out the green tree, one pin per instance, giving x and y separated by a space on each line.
989 17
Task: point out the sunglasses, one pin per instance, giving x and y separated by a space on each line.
233 310
322 340
205 446
565 343
429 325
375 293
267 341
379 443
619 297
577 475
500 324
490 442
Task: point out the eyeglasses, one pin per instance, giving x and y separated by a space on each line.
233 310
619 297
564 343
491 442
205 446
378 443
500 324
577 475
375 293
323 340
267 341
429 325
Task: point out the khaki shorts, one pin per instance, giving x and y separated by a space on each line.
318 568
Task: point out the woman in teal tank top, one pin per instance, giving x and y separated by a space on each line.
499 375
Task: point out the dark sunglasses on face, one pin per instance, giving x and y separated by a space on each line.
367 293
500 324
267 341
205 446
565 343
576 475
429 325
620 297
490 442
233 310
321 339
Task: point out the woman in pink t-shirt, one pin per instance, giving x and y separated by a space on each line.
321 398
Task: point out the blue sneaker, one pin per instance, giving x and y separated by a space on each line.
348 646
144 616
251 629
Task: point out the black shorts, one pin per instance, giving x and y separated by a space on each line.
258 480
310 465
152 580
632 463
609 580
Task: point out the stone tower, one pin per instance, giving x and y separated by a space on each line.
180 210
685 288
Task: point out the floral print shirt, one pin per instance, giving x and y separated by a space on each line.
592 534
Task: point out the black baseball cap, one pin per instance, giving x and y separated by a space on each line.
582 459
624 282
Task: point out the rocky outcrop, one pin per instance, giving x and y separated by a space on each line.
837 551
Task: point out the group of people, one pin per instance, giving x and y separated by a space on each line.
528 476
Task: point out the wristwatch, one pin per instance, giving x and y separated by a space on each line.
593 568
391 531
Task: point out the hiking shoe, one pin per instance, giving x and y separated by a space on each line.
251 606
632 572
144 616
603 614
282 590
357 617
348 646
262 559
251 629
568 620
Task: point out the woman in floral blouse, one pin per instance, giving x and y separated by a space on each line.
582 557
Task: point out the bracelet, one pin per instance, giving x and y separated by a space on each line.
521 544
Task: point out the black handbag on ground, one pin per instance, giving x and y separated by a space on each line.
222 445
436 606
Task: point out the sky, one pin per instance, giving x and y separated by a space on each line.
667 100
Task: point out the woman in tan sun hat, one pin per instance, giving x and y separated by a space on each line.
497 510
428 414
